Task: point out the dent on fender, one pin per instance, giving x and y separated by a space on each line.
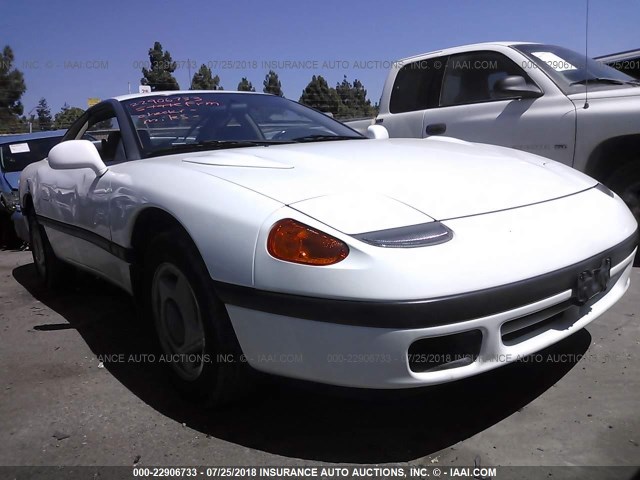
123 202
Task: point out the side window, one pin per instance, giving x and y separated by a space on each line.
417 86
103 130
471 77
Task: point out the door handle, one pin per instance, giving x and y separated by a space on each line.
436 128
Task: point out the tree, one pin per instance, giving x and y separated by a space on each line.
362 104
12 87
160 76
272 84
44 115
353 100
66 116
318 95
245 86
203 79
347 98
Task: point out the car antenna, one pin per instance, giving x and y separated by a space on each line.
586 57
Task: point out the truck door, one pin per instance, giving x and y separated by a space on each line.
416 88
471 108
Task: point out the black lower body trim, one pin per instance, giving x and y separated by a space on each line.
422 313
114 249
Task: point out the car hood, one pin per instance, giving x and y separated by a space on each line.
362 185
12 179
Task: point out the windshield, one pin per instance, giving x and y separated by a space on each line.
188 122
567 68
16 156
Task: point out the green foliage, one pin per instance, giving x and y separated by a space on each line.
272 84
353 100
160 76
245 85
45 121
66 116
345 92
317 94
345 101
203 79
12 87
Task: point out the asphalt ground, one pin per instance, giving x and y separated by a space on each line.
578 404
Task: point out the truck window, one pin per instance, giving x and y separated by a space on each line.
417 86
569 71
471 77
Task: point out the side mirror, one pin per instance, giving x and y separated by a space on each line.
516 86
377 132
76 154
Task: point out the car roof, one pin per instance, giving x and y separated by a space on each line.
25 137
462 47
130 96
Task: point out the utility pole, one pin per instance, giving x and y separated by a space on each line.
29 119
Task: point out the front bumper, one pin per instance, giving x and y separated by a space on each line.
369 344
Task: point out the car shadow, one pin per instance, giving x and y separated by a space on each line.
301 420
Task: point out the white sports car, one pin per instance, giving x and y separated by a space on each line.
256 230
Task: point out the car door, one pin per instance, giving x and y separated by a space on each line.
471 108
74 203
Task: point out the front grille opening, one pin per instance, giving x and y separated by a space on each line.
445 352
524 328
557 317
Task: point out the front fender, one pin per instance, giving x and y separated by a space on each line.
223 219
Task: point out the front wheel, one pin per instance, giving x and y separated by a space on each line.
194 332
51 272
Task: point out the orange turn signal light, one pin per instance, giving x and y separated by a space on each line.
296 242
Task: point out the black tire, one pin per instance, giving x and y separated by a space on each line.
52 273
191 324
626 182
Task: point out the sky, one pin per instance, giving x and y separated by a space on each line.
71 51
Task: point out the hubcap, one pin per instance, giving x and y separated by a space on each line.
178 321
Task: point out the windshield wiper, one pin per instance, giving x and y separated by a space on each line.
213 145
324 138
613 81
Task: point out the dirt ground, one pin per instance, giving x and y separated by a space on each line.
60 406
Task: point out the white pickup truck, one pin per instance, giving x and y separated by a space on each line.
533 97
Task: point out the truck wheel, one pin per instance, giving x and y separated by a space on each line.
52 273
626 183
196 338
